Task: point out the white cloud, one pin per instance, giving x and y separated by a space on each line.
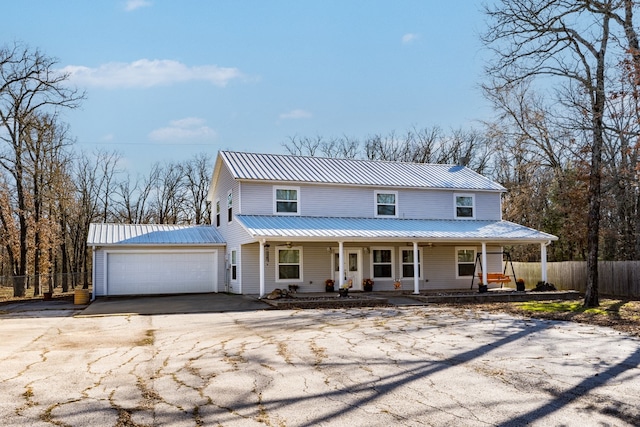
296 114
190 128
409 38
136 4
146 73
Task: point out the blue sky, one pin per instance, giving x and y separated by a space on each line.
167 79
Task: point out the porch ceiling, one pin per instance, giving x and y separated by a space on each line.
384 229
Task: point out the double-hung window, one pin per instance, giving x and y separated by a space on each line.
465 206
217 213
382 263
289 265
465 262
234 265
286 200
230 206
407 263
386 203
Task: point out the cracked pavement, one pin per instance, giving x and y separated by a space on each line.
404 366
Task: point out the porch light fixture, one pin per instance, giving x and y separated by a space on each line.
367 250
328 250
288 245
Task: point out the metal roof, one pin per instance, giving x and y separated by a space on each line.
288 168
358 229
152 234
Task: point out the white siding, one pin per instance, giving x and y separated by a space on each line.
440 267
98 272
488 206
359 202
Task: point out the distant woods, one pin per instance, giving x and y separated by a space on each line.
50 193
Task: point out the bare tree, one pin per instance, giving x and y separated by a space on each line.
197 175
29 87
567 41
344 147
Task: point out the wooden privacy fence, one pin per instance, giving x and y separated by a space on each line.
616 278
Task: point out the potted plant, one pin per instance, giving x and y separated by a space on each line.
367 285
293 288
520 285
328 285
344 289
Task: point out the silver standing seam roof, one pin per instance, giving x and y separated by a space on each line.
361 229
152 234
323 170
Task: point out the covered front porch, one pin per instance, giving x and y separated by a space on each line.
308 251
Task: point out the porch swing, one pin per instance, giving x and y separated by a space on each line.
501 278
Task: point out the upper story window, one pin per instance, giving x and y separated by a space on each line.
230 206
465 206
217 213
386 203
286 200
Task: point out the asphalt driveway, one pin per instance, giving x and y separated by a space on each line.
405 366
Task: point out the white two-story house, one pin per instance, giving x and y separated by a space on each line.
280 220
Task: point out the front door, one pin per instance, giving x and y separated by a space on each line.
352 268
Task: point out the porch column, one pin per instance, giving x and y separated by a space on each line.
416 268
341 261
543 260
261 268
484 263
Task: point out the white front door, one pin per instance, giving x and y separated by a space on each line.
352 268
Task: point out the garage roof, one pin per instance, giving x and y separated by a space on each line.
152 234
359 229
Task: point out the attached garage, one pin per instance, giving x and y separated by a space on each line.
159 272
155 259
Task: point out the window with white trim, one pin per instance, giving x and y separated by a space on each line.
465 206
406 259
286 200
386 203
230 206
234 265
465 262
382 263
217 213
289 264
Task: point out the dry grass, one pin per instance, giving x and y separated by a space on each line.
620 314
6 294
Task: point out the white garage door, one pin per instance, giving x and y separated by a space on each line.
135 273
